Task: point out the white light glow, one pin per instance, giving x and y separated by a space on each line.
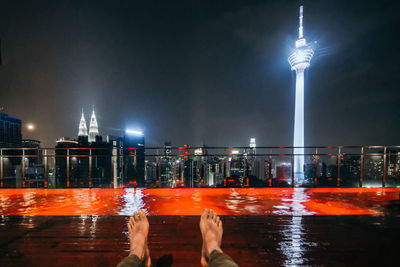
134 132
235 152
298 140
252 142
30 127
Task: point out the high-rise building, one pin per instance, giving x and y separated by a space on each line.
34 168
133 158
93 128
82 126
10 131
299 61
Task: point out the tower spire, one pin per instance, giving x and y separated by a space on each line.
301 22
93 128
82 126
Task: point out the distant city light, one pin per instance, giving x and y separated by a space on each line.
134 132
252 142
198 151
30 127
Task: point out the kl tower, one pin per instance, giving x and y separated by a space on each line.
299 60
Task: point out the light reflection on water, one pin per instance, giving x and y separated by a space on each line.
133 202
191 201
293 244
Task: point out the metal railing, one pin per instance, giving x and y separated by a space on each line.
116 167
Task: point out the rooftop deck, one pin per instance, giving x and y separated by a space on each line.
250 240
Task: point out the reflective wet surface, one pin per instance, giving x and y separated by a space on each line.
361 240
227 201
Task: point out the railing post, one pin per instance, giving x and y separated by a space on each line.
202 172
134 170
90 168
45 169
270 168
1 168
23 168
316 167
112 166
158 169
68 167
384 168
292 167
224 169
362 166
247 170
339 161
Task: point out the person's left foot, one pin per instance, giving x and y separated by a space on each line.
138 227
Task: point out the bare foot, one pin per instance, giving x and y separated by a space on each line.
211 231
138 227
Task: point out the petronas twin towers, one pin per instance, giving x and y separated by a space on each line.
93 128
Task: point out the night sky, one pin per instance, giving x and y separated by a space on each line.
202 72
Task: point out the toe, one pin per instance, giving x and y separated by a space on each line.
204 214
136 216
212 215
142 215
209 214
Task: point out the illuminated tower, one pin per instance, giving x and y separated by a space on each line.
82 126
299 60
93 128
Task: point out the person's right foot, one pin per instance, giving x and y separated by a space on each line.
138 227
211 231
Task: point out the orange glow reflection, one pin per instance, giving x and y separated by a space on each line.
185 201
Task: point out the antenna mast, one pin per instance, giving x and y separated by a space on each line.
301 23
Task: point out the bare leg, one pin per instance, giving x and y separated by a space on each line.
138 227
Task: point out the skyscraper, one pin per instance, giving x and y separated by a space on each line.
133 158
10 131
82 126
299 60
93 128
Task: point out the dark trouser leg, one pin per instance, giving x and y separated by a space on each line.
131 261
219 259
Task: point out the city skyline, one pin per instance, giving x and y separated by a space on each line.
216 77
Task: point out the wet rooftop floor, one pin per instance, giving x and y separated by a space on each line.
361 240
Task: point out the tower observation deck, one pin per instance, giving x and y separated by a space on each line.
299 60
